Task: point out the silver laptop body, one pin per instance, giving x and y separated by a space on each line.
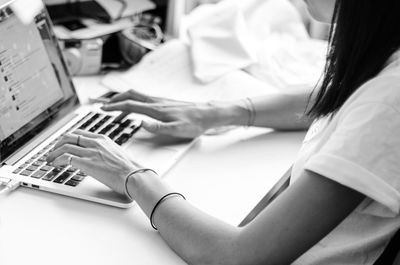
38 104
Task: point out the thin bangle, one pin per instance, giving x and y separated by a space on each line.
140 170
251 110
160 201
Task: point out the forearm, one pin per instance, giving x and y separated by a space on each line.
197 237
317 204
280 112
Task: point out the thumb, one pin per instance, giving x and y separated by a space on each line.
158 127
175 129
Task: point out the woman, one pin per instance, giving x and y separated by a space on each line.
343 204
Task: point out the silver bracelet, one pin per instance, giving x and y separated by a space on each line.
252 111
140 170
160 201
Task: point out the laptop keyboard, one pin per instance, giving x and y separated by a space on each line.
36 167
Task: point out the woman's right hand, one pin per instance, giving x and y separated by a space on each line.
171 117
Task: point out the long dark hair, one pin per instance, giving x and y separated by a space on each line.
363 35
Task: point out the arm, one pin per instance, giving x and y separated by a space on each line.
277 111
189 120
292 224
307 211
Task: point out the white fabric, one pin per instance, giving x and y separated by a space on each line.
220 42
256 35
359 148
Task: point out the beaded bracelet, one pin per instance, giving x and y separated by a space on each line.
160 201
140 170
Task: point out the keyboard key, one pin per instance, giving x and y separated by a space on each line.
72 170
38 163
38 174
118 119
41 152
126 123
107 128
123 138
85 125
46 168
94 128
48 146
72 183
87 115
80 173
31 168
62 178
51 175
16 171
115 133
135 129
26 173
102 121
78 178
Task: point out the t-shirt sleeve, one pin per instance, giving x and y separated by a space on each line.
363 153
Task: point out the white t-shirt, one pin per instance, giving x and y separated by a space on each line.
360 148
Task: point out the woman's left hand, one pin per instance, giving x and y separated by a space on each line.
96 155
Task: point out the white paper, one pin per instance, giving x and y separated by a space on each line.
167 72
94 29
114 7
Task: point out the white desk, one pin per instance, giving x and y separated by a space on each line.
224 175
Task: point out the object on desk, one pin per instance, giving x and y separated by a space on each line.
175 11
102 10
144 36
219 41
167 72
117 9
78 28
285 56
91 47
84 57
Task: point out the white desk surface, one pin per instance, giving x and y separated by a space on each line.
224 175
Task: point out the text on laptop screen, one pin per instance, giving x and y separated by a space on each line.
34 81
28 85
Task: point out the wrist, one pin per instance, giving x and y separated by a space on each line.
146 188
228 113
138 179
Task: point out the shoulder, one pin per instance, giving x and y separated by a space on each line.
383 91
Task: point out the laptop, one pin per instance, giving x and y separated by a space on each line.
38 104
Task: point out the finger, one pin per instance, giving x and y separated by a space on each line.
120 117
70 149
175 129
72 138
136 107
133 95
89 137
158 127
68 159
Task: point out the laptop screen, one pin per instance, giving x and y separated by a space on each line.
34 82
